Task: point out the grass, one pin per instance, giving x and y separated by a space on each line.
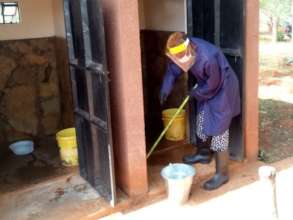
276 117
276 139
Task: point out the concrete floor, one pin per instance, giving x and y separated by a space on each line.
70 197
67 197
243 198
19 172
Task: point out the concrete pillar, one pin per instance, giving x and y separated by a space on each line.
124 60
251 117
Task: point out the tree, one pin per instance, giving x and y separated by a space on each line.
277 11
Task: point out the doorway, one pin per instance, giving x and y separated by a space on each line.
209 20
55 78
35 93
157 22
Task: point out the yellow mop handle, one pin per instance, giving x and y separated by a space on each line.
168 126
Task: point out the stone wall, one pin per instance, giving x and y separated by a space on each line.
29 90
67 119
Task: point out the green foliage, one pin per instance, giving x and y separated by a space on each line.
280 36
262 155
281 9
278 12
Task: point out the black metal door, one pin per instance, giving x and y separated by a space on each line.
222 23
89 76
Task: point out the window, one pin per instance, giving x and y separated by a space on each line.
9 13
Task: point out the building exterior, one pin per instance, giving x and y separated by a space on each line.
135 32
122 28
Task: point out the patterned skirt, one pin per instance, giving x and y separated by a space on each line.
218 143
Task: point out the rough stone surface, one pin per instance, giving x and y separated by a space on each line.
13 135
48 90
65 85
6 66
51 106
50 124
23 76
21 112
2 137
19 47
34 59
29 89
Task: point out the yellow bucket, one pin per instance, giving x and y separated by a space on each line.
177 130
68 147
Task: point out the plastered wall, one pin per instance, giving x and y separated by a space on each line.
58 15
36 21
163 15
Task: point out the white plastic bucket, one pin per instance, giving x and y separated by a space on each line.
178 179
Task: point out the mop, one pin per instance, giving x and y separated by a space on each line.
169 124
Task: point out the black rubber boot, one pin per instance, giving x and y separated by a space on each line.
203 154
221 176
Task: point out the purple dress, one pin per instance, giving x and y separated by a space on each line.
217 93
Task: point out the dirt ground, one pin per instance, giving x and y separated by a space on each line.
276 101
